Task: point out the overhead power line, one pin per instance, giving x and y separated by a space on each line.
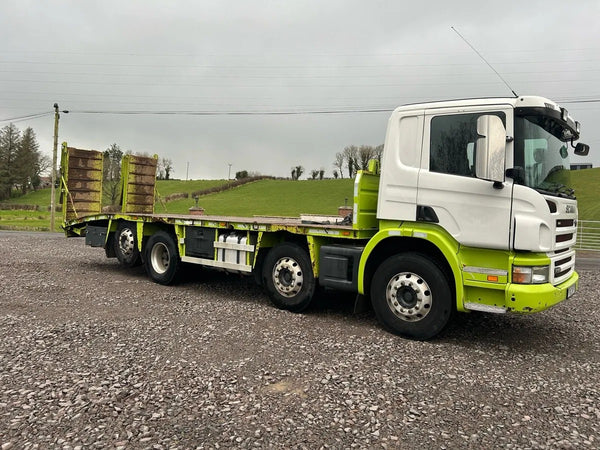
267 113
27 117
237 113
288 54
289 66
591 100
241 113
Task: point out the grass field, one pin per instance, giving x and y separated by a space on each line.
586 183
265 197
272 197
40 198
168 187
28 220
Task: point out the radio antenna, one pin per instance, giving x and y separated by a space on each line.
485 61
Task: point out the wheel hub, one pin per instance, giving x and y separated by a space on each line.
287 277
409 296
126 241
160 258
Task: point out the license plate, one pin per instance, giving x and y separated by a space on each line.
571 290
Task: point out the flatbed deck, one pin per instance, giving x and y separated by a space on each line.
256 223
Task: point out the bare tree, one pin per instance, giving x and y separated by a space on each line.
43 165
112 173
378 152
167 166
351 156
365 154
297 171
338 163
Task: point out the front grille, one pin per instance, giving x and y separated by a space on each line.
564 237
562 223
562 272
563 261
563 265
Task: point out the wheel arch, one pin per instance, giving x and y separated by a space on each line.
163 260
267 241
144 228
438 246
288 276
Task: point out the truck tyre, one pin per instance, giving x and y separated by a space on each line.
162 258
411 296
126 245
288 277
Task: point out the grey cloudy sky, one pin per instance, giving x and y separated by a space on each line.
280 56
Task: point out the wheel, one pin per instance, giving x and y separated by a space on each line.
411 296
288 277
126 245
162 258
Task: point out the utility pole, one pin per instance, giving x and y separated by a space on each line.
52 187
229 173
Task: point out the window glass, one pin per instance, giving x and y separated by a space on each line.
543 159
453 143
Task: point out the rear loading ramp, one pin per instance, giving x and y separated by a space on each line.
138 174
81 182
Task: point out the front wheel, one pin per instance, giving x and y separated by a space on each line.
411 296
162 258
288 277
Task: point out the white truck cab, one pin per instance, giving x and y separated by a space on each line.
494 175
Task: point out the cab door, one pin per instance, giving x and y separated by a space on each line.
475 212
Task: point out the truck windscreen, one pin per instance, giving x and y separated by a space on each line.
542 156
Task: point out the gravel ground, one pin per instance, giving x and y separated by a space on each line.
92 356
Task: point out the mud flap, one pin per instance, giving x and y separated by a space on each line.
362 304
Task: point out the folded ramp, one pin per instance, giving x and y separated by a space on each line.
138 174
81 182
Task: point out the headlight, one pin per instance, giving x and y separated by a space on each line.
530 275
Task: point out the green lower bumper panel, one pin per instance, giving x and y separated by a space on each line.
527 298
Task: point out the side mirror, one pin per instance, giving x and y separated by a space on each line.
581 149
490 149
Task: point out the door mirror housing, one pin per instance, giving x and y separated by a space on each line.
582 149
490 149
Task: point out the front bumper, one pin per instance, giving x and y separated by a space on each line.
530 298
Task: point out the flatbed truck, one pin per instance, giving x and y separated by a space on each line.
468 209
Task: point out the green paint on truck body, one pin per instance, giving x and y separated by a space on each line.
481 276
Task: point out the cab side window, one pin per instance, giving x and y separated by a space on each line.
453 143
